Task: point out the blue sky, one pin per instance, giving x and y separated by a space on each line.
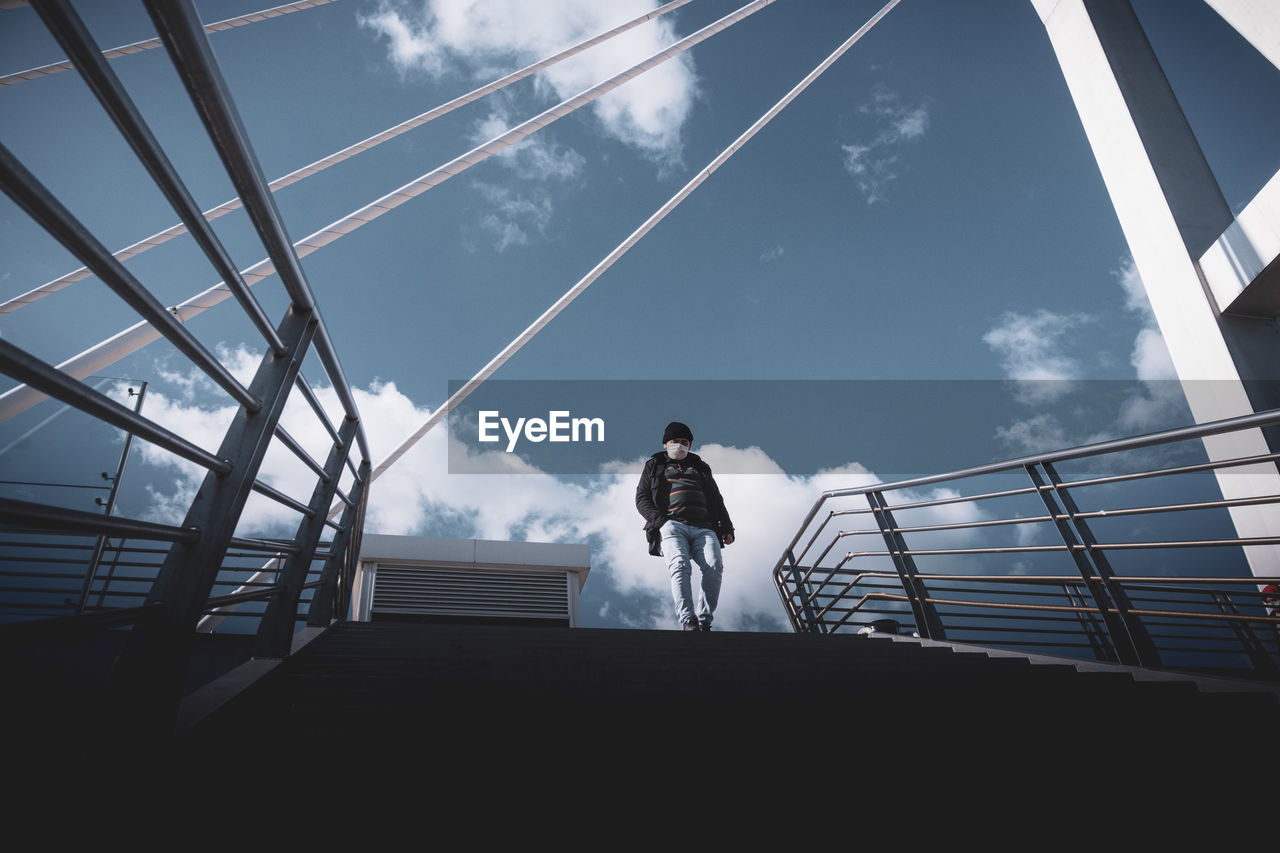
928 210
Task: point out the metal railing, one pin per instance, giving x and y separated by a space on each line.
1132 557
158 579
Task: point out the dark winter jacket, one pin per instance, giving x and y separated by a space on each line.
653 492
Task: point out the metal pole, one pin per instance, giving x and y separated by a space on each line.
339 156
815 625
147 679
1255 650
1117 629
101 544
326 603
927 621
1137 632
275 631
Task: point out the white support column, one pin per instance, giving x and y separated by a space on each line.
1257 20
1171 210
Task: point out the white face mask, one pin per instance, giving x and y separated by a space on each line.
676 450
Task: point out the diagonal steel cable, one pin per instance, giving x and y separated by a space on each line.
347 153
22 397
209 622
622 248
149 44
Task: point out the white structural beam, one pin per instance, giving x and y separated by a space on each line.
1171 211
1240 268
1257 20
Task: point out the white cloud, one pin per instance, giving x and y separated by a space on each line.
513 215
520 502
487 39
1150 356
875 164
535 157
1162 396
1032 350
773 254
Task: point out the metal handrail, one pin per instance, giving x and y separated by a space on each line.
204 553
827 593
1257 419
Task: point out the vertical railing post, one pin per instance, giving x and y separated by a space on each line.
1128 635
928 623
1253 647
100 545
146 681
1097 637
813 623
275 631
327 603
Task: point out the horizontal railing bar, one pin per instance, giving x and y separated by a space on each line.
309 393
56 546
181 30
298 451
1241 541
995 549
1026 490
1041 519
812 539
79 574
86 623
1212 617
66 561
1225 425
1242 422
1056 608
1155 508
237 597
183 35
76 40
329 358
1046 644
1164 472
1227 617
43 516
52 485
41 205
1004 629
265 592
960 525
28 369
286 545
68 591
281 498
1076 579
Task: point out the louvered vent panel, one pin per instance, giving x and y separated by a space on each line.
455 592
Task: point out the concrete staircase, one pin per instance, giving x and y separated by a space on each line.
462 694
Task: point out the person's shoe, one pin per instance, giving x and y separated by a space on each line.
691 625
704 626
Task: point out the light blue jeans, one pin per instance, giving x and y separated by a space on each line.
682 545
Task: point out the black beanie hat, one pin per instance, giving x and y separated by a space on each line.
675 429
